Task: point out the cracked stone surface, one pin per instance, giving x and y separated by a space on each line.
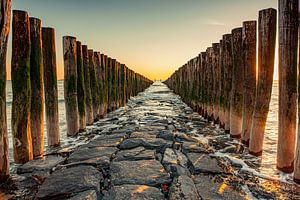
154 148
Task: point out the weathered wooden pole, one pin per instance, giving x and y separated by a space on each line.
99 84
89 113
4 33
236 102
288 52
102 87
80 88
203 90
94 85
122 85
297 156
266 54
20 75
227 62
249 57
106 87
216 83
117 85
113 84
37 88
222 87
70 84
209 84
50 86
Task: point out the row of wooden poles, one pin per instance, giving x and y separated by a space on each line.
226 85
94 85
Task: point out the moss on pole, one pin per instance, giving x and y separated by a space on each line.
37 87
50 86
4 34
20 75
70 84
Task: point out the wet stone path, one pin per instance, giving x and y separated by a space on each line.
154 148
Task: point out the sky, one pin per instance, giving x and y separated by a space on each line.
152 37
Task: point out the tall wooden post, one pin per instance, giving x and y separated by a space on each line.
102 86
122 85
216 88
227 62
203 89
222 86
113 85
4 33
106 87
70 84
94 85
89 113
80 88
99 84
297 156
20 74
209 84
288 52
37 87
50 86
266 54
249 57
236 102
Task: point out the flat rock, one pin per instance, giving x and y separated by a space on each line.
83 154
139 153
112 140
203 163
183 187
195 147
142 135
166 134
146 172
134 192
69 182
46 164
150 143
210 188
87 195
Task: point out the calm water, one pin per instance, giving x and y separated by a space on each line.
268 161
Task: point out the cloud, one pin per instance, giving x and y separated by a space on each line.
212 22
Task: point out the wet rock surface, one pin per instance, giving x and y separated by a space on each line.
154 148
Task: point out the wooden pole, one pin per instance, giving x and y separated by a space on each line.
98 78
122 85
50 86
209 84
81 88
106 87
109 84
102 87
20 74
70 84
94 85
37 88
288 52
4 33
203 84
113 84
249 57
222 87
266 54
236 102
88 94
216 89
297 156
227 62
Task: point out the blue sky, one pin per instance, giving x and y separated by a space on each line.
152 37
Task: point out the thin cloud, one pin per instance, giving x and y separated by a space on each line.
212 22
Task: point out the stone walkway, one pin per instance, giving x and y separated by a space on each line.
150 149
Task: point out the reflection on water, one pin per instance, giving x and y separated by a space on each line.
268 160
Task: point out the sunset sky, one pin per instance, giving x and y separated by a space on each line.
152 37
